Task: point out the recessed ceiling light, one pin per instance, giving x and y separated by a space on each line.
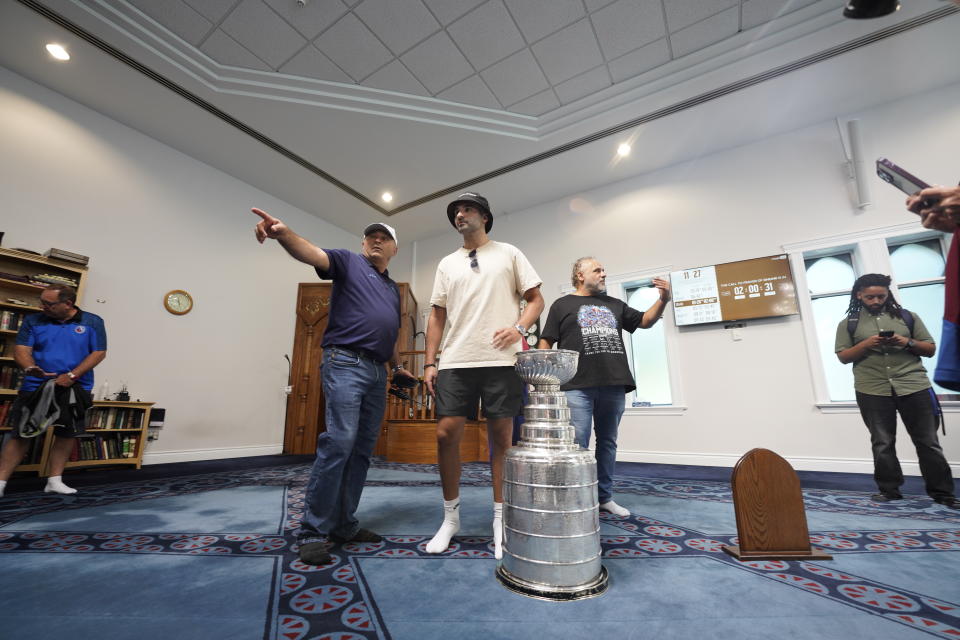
623 150
58 52
387 196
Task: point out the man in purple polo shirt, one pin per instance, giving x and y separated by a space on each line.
360 337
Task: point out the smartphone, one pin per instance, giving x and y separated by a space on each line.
885 334
901 179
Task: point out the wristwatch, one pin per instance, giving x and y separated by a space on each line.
911 343
71 376
521 329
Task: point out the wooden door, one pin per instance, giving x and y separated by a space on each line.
406 341
305 406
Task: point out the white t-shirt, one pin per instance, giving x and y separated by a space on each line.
479 302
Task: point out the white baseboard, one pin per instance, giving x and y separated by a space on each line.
193 455
842 465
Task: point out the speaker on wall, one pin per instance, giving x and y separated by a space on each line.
859 170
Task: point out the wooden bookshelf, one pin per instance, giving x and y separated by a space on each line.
116 435
103 443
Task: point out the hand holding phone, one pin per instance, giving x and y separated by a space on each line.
885 334
900 178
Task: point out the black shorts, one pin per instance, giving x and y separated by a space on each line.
17 408
459 390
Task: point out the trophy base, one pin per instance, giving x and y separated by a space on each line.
591 589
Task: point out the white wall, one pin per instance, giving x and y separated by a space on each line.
742 203
152 219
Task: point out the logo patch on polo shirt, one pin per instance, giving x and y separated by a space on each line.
80 329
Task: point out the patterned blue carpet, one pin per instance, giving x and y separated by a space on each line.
212 556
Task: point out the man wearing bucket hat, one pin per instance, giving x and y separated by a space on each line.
476 294
359 340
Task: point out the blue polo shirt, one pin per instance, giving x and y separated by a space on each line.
60 346
364 306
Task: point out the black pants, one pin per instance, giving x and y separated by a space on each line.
920 418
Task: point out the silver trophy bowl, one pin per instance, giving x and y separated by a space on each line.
541 367
551 521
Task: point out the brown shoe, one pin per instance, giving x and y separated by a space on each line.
362 535
314 553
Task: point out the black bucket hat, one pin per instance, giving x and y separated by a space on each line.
472 198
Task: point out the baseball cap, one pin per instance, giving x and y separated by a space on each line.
472 198
379 226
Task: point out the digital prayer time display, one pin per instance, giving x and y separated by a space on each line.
756 288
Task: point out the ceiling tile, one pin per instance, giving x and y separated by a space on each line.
226 50
310 19
569 52
437 63
593 5
706 32
583 85
628 24
399 24
395 77
486 35
516 78
212 10
683 13
311 63
539 18
178 17
447 11
537 105
353 48
756 12
640 60
471 91
255 26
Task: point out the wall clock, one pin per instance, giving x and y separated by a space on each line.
178 302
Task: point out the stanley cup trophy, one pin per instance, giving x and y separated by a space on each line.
551 521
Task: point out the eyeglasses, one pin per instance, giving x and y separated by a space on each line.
44 303
473 260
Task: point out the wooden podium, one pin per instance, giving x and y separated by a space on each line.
771 521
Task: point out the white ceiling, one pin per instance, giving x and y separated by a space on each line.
329 104
527 57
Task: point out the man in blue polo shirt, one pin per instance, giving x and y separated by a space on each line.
64 343
360 337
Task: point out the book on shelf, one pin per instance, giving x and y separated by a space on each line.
5 411
10 376
66 256
105 447
117 418
10 320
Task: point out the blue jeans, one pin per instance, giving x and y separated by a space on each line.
354 389
603 406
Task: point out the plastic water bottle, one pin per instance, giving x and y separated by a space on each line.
105 391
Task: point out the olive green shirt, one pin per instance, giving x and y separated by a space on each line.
885 367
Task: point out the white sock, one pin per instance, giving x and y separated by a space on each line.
615 509
498 530
449 528
3 486
55 485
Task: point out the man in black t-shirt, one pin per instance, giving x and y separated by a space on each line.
590 322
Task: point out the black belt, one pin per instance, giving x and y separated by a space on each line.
360 353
